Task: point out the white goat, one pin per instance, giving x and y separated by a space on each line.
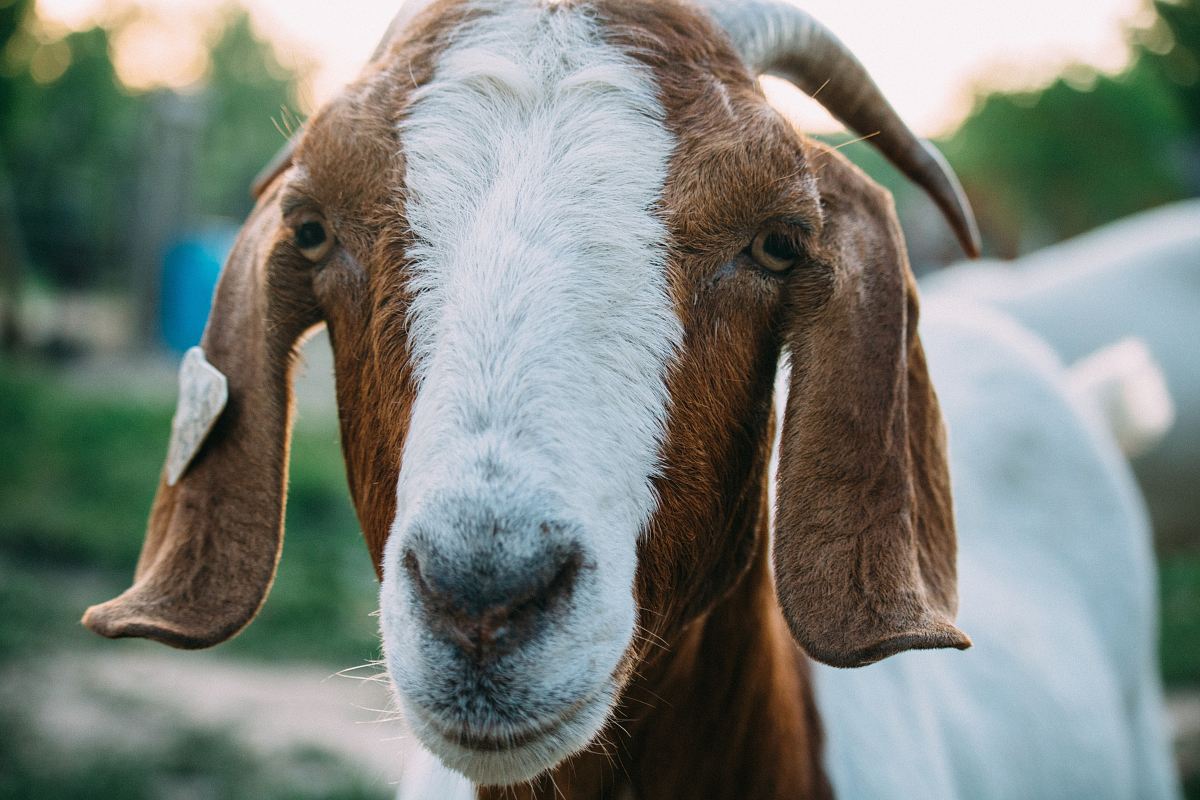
1138 277
1059 697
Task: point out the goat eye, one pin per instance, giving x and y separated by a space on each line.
773 251
312 239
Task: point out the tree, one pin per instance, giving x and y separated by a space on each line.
1171 50
247 91
12 20
12 243
71 147
75 146
1090 148
200 154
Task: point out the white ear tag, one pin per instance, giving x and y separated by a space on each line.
203 392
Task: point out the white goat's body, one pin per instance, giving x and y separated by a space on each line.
1077 296
424 777
1059 697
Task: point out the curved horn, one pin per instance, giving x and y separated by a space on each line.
775 37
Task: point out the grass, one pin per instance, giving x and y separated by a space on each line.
77 476
191 761
1179 585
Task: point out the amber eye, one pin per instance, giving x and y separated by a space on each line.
312 238
774 251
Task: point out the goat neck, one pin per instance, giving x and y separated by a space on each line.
723 710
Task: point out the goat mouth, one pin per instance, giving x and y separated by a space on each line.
499 741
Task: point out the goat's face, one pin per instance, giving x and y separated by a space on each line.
558 250
535 346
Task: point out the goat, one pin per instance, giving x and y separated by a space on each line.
559 248
1062 697
1076 295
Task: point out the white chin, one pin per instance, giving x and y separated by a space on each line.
494 764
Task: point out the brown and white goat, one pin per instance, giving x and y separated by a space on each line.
559 248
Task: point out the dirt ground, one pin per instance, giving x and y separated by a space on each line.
136 696
130 699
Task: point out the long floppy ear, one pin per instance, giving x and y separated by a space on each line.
864 547
214 535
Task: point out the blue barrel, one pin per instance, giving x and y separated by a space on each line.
189 276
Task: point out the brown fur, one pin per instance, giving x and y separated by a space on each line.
716 700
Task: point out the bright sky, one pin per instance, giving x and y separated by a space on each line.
928 55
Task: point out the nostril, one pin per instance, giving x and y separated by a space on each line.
412 565
434 601
486 611
550 585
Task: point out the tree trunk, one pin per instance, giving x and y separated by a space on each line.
163 201
12 266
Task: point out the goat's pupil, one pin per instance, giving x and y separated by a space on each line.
310 235
778 246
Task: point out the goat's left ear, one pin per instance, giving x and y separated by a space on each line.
864 546
215 533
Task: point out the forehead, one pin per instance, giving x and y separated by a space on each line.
665 59
530 113
535 159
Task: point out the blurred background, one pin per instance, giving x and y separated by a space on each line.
129 133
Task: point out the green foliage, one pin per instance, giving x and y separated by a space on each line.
1179 585
12 18
70 153
1171 49
75 144
76 484
247 90
78 478
1090 148
23 610
1055 164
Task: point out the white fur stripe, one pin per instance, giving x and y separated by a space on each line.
542 330
535 160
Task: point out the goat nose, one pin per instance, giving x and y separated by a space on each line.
484 611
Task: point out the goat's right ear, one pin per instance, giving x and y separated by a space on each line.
864 546
214 536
